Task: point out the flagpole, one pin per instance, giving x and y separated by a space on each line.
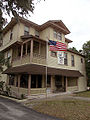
46 64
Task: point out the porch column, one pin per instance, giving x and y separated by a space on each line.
31 53
19 82
52 83
21 51
66 84
29 84
26 48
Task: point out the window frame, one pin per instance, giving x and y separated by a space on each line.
26 30
72 60
65 59
57 35
52 52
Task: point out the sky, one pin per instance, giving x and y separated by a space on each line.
74 13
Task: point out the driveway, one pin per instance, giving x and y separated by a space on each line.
11 110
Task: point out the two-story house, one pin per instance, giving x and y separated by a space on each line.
26 44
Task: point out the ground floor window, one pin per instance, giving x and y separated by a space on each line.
72 82
36 81
58 81
11 79
24 81
48 81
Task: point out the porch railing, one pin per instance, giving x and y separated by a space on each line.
37 58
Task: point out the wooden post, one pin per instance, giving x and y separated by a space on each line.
29 84
66 84
21 51
52 83
31 53
26 48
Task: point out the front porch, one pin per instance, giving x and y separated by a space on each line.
28 84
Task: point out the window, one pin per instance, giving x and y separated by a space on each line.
11 79
57 35
19 51
53 54
36 33
24 81
65 59
48 81
11 34
72 60
26 30
81 60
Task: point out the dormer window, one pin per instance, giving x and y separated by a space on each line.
11 34
26 30
57 35
36 33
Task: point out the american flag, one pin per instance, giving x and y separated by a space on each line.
57 46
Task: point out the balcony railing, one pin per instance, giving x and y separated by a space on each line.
37 58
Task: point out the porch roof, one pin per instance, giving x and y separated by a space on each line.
39 69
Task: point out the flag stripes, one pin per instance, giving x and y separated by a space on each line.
57 46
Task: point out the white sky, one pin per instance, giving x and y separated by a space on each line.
74 13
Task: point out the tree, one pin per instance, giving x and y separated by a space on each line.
86 51
73 49
16 8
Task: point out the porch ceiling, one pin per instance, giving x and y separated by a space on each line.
39 69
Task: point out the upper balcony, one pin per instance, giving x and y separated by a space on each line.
31 50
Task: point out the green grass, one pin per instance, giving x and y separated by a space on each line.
83 94
67 109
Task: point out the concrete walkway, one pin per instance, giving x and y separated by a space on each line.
49 95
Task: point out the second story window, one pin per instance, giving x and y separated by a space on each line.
57 35
36 33
81 60
19 51
26 30
53 54
72 60
11 34
65 59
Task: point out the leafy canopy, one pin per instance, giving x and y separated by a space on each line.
86 51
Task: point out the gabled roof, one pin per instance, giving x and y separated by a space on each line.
56 24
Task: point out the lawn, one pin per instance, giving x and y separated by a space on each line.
83 94
68 109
